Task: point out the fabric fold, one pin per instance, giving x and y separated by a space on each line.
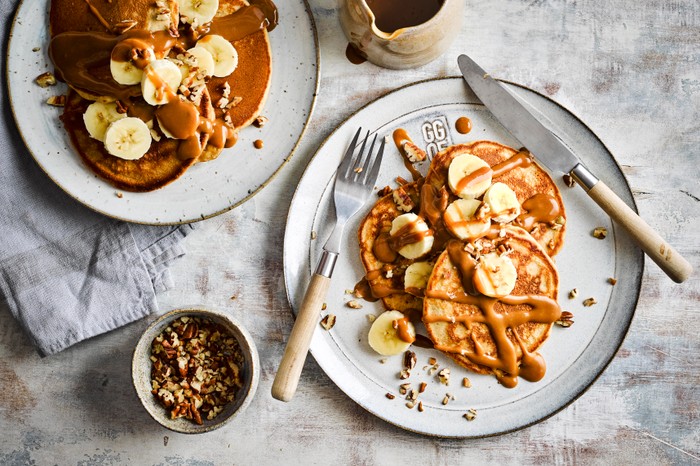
68 273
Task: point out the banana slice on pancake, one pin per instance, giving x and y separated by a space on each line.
98 116
495 275
197 12
161 78
413 235
463 221
502 202
386 336
128 138
469 176
128 59
204 59
416 275
223 52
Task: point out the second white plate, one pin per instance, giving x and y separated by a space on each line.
206 189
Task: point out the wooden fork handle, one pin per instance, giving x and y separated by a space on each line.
287 378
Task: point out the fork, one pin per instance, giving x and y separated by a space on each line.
354 181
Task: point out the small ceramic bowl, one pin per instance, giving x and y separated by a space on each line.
141 371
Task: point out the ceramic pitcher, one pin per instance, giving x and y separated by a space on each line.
408 47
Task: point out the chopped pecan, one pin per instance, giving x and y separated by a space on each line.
588 302
384 191
402 200
409 360
566 320
569 180
57 100
470 415
46 79
600 232
413 152
328 321
260 121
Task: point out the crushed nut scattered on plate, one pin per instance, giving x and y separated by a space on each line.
600 232
328 321
470 415
589 302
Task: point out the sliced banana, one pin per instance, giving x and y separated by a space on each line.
126 72
503 203
197 12
160 81
182 66
461 219
495 275
159 18
417 275
98 116
384 334
224 54
413 227
468 176
128 138
204 58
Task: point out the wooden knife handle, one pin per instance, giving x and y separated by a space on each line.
289 371
670 261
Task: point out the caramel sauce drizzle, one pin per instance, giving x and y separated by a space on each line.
269 9
433 203
532 367
99 16
540 208
400 137
521 159
370 291
463 125
475 177
401 326
81 58
386 246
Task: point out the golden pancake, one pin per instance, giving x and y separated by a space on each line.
527 179
229 103
158 167
386 279
493 335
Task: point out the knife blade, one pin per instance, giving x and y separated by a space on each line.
548 149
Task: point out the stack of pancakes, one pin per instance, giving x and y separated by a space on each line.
487 335
163 162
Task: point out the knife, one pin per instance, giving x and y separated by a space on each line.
555 155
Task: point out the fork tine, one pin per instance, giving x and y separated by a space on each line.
347 158
357 162
368 160
374 171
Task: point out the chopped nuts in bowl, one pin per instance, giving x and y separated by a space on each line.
195 369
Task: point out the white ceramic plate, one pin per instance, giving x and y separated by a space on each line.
206 189
575 356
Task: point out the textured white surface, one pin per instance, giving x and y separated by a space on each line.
629 69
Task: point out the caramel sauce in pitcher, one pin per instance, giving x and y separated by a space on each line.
391 15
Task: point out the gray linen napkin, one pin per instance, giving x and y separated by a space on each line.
66 272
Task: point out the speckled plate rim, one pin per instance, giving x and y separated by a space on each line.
624 300
196 218
231 411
